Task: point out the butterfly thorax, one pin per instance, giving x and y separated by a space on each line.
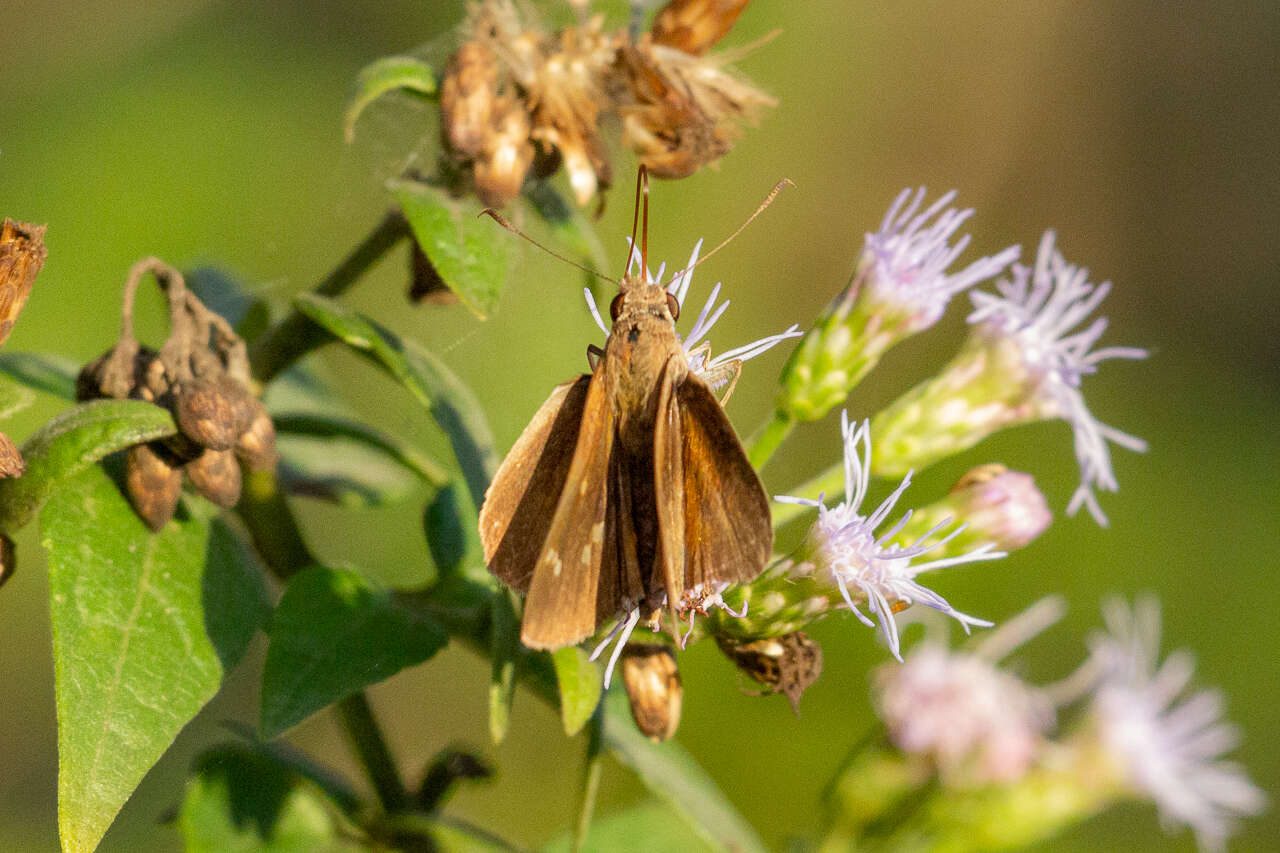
640 345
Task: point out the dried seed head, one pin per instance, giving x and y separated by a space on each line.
653 685
22 254
257 444
213 411
693 26
216 475
11 464
466 98
501 168
8 559
679 111
786 664
153 483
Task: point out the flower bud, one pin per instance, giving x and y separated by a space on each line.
786 664
213 412
652 680
1001 506
153 483
216 475
693 26
257 444
466 98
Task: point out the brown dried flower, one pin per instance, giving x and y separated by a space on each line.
653 685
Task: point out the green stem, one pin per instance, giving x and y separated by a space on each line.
768 438
271 525
371 747
295 335
592 769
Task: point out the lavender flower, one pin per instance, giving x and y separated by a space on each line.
977 723
1169 748
1022 363
900 287
906 261
844 549
1037 309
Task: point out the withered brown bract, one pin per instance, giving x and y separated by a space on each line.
628 489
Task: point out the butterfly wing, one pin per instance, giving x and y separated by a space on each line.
561 605
668 487
521 500
728 532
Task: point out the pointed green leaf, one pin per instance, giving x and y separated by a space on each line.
388 74
675 777
504 653
580 686
52 374
451 402
72 442
318 426
453 536
240 801
333 633
471 253
144 628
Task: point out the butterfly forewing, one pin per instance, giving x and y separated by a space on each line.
728 534
520 503
562 602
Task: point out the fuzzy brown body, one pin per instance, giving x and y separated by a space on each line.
627 490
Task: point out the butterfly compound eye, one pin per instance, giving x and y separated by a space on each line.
673 305
615 308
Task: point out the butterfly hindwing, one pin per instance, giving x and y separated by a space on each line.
728 533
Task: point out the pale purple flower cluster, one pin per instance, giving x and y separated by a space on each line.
908 258
1038 308
846 550
1170 747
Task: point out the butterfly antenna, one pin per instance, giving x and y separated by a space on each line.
642 197
768 200
502 220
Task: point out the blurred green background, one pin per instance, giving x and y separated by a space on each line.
1145 132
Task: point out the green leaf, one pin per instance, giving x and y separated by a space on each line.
567 223
649 826
504 653
240 801
671 773
471 253
52 374
332 634
72 442
453 536
316 425
387 74
580 687
341 460
451 402
144 628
